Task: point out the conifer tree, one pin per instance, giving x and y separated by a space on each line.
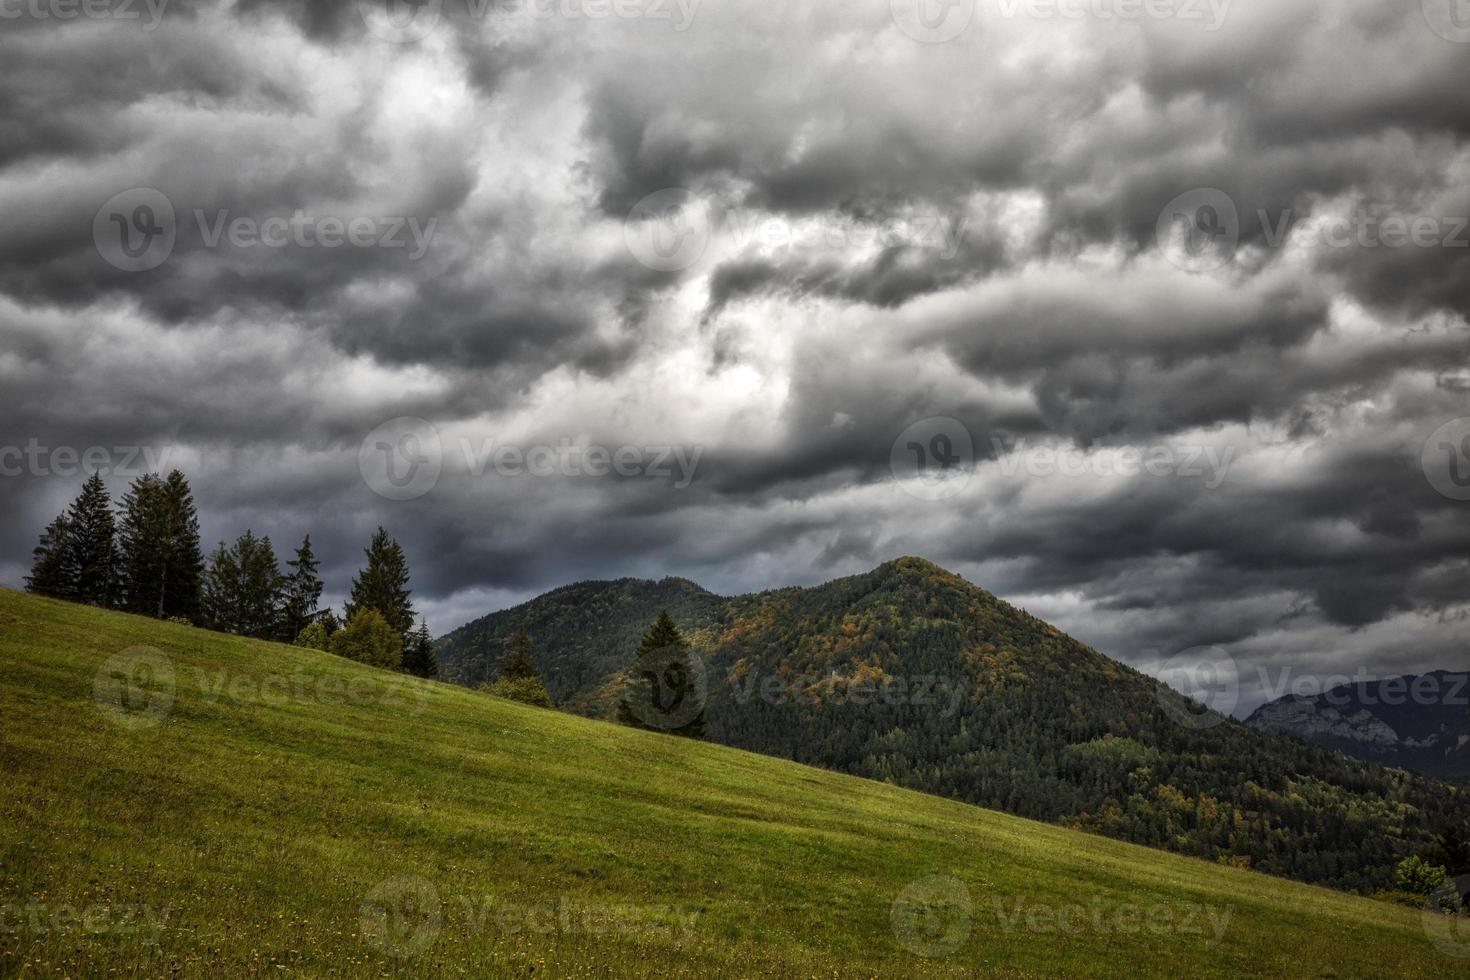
383 585
162 567
666 686
242 588
140 533
301 592
260 587
53 567
520 678
418 653
221 590
94 544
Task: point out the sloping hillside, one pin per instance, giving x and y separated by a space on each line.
186 803
912 675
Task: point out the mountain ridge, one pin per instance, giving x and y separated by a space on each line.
910 674
1419 722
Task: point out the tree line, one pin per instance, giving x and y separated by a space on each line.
146 558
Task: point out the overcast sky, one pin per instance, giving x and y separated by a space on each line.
1173 295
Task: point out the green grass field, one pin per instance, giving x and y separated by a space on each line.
277 811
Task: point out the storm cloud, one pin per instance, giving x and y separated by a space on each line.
1177 290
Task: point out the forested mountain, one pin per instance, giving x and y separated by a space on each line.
912 675
1416 722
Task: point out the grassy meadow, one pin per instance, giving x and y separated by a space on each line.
184 803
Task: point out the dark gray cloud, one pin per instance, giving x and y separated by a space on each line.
875 231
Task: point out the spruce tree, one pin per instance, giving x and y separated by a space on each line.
221 590
418 653
301 592
520 678
94 545
383 585
162 567
242 588
53 566
666 685
141 534
185 566
260 587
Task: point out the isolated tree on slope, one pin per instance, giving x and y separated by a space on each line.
383 585
666 686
